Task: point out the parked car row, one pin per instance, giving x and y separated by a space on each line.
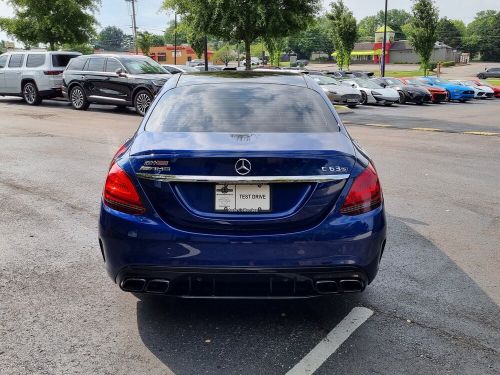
388 90
134 81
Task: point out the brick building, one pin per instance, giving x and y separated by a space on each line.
165 54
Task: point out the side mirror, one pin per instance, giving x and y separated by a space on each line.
353 86
120 72
383 85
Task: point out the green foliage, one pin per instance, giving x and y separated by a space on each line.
51 22
157 40
421 30
317 37
181 34
84 48
344 31
447 64
245 20
2 46
111 38
225 54
396 18
275 46
145 42
483 35
448 33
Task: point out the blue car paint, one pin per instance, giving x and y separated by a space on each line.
456 92
331 240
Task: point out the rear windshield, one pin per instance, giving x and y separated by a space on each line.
60 61
245 108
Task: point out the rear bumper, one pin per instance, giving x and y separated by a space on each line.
130 243
242 282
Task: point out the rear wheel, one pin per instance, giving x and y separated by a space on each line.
481 76
142 102
402 97
78 99
31 94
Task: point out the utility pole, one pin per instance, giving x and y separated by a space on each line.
175 39
382 68
206 53
134 25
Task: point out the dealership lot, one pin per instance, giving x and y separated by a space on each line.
434 303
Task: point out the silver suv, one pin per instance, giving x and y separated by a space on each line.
33 75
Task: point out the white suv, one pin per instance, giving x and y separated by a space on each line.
33 75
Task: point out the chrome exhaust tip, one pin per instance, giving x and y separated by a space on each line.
352 285
133 285
158 286
326 286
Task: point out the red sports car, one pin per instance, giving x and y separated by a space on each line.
438 94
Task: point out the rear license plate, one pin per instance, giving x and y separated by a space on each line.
243 198
351 100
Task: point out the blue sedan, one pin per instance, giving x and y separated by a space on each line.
454 91
242 184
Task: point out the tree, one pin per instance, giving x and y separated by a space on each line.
483 35
421 30
51 22
2 46
345 32
84 48
275 46
396 19
225 54
170 34
145 42
157 40
448 33
111 38
316 38
245 20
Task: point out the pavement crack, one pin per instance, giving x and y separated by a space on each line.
466 340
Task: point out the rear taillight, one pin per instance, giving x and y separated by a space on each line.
365 194
123 148
120 193
52 72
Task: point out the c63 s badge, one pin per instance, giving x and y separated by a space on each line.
156 166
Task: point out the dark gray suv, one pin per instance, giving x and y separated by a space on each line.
489 73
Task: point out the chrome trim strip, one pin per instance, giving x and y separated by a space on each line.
98 97
242 179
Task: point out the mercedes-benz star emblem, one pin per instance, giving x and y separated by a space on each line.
243 166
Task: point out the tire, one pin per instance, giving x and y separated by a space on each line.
402 97
388 104
30 93
448 96
351 105
481 76
78 99
142 101
364 98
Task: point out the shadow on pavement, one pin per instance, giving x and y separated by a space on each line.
451 318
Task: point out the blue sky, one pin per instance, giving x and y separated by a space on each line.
150 18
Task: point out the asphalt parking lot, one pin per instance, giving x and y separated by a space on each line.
435 303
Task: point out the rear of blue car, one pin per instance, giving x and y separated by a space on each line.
242 185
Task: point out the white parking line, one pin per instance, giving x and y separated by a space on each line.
326 347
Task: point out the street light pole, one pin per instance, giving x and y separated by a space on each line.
384 42
175 39
206 53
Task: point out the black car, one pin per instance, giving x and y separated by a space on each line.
489 73
121 80
407 93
